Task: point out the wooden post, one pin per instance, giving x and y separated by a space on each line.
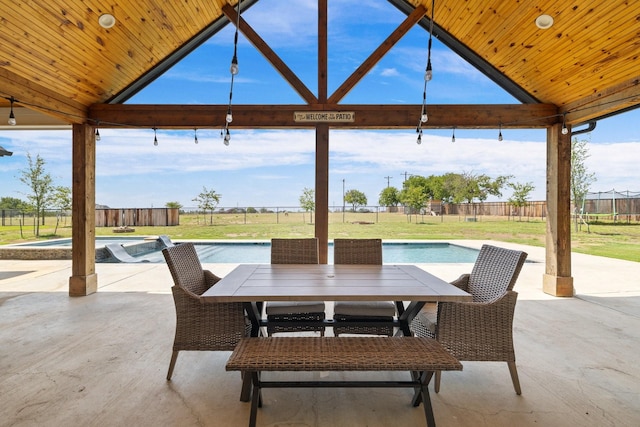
322 191
557 279
322 142
83 280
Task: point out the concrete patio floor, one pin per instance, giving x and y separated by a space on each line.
101 360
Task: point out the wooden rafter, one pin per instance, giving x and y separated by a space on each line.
376 56
270 55
601 103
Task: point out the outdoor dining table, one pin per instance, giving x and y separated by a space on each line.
253 284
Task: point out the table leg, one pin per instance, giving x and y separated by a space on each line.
408 315
253 310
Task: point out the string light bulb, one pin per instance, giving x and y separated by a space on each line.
227 137
500 133
564 124
234 66
453 135
195 135
428 75
12 117
233 69
97 135
155 136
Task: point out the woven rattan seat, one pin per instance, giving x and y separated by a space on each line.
420 356
361 251
294 251
481 330
204 326
341 354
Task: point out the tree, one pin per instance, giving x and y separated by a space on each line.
389 196
173 205
355 198
581 178
415 198
61 200
308 201
39 182
468 187
13 203
520 195
207 201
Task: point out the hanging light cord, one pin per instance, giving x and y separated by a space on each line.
428 74
234 70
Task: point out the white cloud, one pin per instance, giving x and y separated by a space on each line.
389 72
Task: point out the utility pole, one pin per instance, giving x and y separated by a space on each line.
388 178
405 175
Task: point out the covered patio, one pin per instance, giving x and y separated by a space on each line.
102 360
77 65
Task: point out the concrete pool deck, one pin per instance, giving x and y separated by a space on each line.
102 359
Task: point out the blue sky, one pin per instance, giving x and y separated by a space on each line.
271 168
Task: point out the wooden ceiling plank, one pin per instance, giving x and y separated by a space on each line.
41 98
377 54
366 116
79 74
462 21
271 56
561 66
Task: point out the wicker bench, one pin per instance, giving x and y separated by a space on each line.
420 356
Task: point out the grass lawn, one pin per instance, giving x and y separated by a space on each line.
614 240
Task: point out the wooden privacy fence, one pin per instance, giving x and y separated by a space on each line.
531 210
137 217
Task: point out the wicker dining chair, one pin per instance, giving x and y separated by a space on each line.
210 326
361 251
294 251
481 330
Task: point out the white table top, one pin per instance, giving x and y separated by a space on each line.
326 282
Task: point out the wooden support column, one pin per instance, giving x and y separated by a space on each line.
322 191
322 141
83 280
557 279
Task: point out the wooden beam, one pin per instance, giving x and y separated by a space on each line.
377 54
487 116
557 279
83 280
270 55
323 67
36 97
603 102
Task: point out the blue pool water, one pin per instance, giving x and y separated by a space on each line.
392 253
260 252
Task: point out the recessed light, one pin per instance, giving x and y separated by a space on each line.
107 20
544 22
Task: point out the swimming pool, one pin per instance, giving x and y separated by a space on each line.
101 241
392 253
148 248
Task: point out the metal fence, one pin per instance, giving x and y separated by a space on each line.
626 210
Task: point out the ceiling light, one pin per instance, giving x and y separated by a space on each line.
544 22
107 20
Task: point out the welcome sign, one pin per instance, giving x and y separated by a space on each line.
324 116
